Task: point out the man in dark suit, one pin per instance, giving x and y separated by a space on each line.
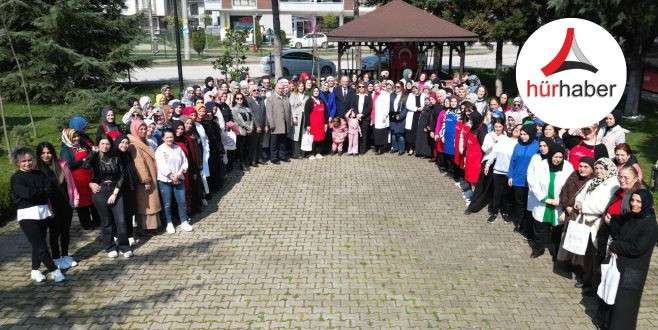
363 108
344 97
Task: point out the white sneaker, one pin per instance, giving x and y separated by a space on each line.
318 156
128 254
70 261
170 228
134 222
37 276
60 263
132 241
56 275
113 254
311 158
458 184
186 226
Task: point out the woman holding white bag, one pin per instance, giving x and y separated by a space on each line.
591 204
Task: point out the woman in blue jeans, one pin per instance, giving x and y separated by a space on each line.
172 165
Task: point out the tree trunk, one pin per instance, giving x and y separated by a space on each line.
186 30
278 68
635 79
20 73
4 128
499 67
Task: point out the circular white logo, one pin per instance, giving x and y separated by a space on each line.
571 73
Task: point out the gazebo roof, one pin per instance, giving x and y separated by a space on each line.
398 21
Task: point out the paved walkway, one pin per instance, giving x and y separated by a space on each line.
369 242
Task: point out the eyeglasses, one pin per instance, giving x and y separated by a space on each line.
624 178
362 86
238 99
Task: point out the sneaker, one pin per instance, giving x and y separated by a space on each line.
60 263
132 241
318 156
37 276
204 202
56 275
311 158
492 218
70 261
186 226
128 254
113 254
170 228
134 222
458 184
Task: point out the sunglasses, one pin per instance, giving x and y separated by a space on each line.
362 86
238 99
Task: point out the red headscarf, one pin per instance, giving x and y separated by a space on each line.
187 111
135 124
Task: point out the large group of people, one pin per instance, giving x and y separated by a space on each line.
159 162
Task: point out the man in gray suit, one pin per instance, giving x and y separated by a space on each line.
279 121
258 109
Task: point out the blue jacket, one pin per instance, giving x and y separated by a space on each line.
329 99
518 166
450 122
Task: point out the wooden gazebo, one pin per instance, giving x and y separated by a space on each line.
399 24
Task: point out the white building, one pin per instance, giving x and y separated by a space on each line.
296 16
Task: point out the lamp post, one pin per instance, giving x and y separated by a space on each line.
179 61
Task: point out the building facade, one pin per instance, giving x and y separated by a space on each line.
298 17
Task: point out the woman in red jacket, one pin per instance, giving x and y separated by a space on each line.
474 134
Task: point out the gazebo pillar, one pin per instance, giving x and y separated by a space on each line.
450 59
340 55
440 61
462 57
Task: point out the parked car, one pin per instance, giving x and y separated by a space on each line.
295 62
369 63
307 41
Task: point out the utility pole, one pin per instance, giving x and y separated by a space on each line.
154 43
278 68
4 128
186 30
358 48
179 61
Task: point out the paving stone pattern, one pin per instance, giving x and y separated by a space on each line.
367 242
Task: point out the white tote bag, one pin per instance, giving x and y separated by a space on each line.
576 238
307 142
609 281
229 140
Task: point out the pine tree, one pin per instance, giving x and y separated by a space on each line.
65 46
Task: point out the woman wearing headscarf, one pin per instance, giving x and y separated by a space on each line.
611 134
517 178
533 166
380 121
315 120
209 84
147 197
474 135
634 237
498 162
422 145
108 127
570 190
64 199
106 185
78 157
413 102
448 136
193 186
545 185
590 207
587 146
80 124
215 147
121 148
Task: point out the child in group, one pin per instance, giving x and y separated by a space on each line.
338 135
353 133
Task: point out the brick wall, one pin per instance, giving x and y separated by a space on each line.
264 4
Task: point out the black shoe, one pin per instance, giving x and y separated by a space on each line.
467 212
492 218
276 162
401 153
537 253
254 164
286 160
579 284
394 151
340 153
506 217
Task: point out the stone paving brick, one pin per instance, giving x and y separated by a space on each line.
367 242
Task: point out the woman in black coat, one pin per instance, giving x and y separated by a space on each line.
634 236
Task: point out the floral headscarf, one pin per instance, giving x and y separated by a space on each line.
67 137
610 171
135 124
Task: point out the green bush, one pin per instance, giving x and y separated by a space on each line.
6 207
90 102
199 40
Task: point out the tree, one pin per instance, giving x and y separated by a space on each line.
65 46
232 61
278 67
199 40
634 23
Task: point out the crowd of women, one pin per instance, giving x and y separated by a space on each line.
160 163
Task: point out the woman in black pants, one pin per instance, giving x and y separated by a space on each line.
130 182
30 194
106 186
64 199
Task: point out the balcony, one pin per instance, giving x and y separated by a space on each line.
244 3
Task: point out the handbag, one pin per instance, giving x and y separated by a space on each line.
609 281
576 238
307 142
229 140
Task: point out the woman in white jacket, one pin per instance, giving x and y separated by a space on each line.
501 154
591 204
611 134
545 185
381 108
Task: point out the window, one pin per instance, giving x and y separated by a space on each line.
244 3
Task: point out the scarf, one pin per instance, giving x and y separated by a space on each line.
610 171
67 138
